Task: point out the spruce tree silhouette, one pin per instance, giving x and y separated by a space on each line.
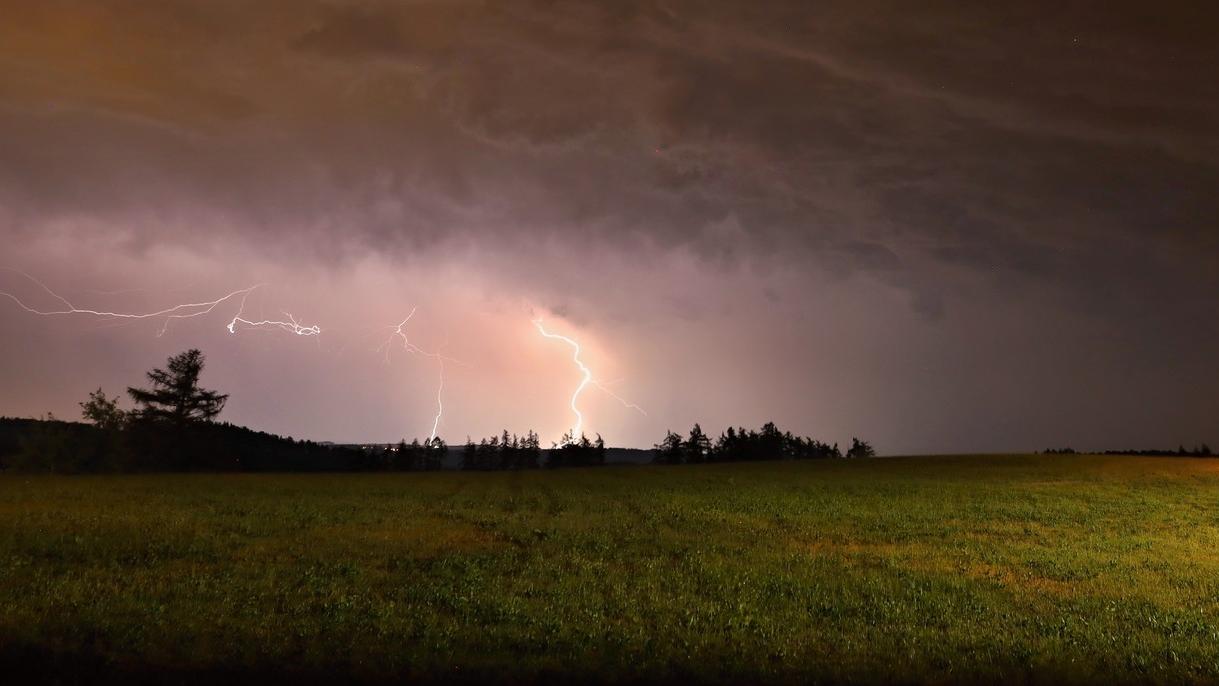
175 395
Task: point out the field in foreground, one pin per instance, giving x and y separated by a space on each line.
1021 568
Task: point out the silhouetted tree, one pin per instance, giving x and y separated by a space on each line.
727 444
809 449
103 412
431 456
477 458
860 449
51 445
407 456
505 451
531 451
697 447
669 451
469 455
741 444
576 453
770 442
175 395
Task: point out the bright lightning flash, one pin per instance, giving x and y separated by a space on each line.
586 379
182 311
291 326
399 332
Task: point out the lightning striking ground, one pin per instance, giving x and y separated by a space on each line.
294 326
586 376
239 321
399 331
586 379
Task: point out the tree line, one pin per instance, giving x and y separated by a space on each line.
173 427
404 457
745 445
1201 450
507 452
51 445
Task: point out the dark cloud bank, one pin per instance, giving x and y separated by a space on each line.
956 227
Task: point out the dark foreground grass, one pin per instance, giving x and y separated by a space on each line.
960 569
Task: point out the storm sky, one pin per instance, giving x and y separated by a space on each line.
962 227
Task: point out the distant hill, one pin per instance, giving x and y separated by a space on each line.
629 455
59 446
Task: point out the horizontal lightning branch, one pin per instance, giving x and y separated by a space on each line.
291 326
182 311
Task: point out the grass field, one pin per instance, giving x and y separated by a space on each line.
1021 568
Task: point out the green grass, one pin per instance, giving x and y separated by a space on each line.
1021 568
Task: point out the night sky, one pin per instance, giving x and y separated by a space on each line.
963 227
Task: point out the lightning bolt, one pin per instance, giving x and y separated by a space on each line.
291 326
586 376
625 403
239 321
586 379
439 399
399 332
182 311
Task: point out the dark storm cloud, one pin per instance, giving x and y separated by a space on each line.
964 155
355 32
610 120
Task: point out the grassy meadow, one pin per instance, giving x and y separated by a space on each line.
928 569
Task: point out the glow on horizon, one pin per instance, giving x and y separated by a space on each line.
240 321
